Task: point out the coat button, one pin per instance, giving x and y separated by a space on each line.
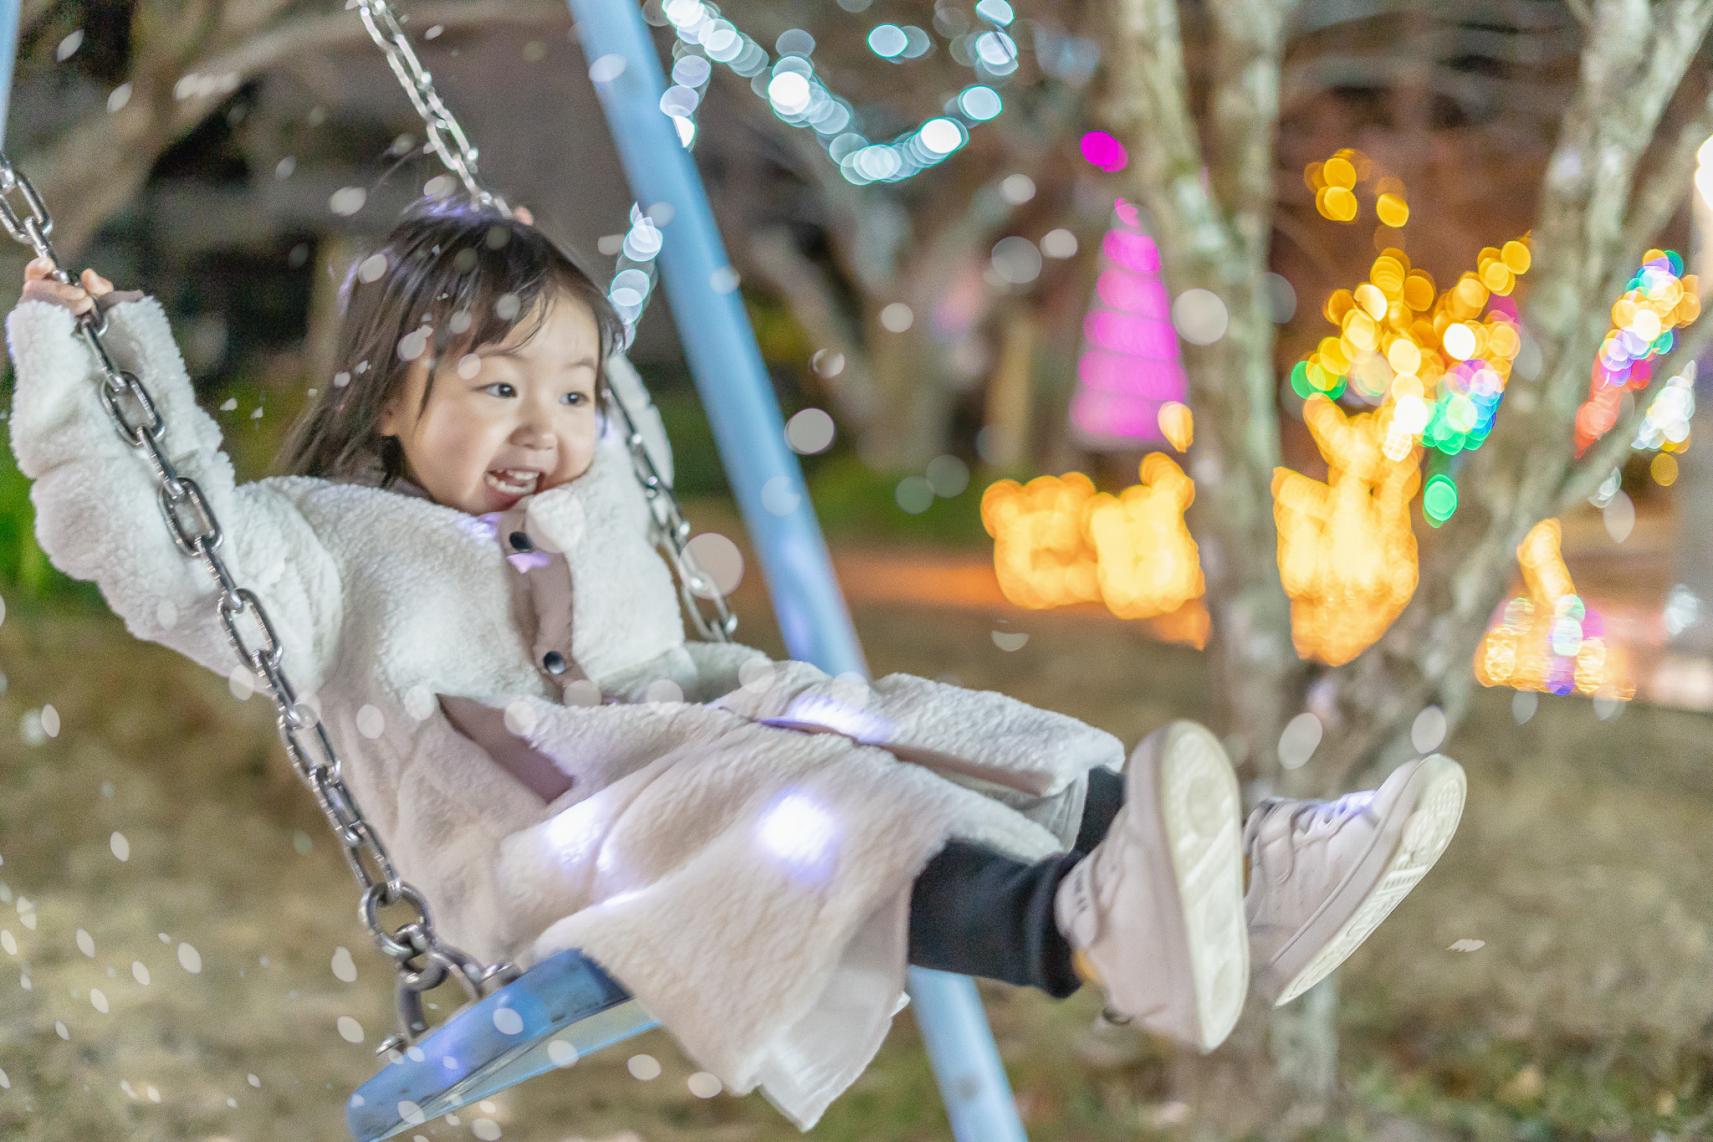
520 541
554 662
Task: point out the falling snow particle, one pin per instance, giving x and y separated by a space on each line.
253 1081
5 1082
561 1053
645 1068
1010 640
704 1085
809 431
371 269
8 942
1428 730
118 98
607 68
347 200
1299 740
350 1030
344 967
507 1021
779 496
1467 946
140 973
371 722
410 1113
50 721
189 959
98 999
1200 316
485 1128
723 280
62 1030
68 46
86 943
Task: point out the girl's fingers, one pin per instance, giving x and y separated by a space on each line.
38 270
96 284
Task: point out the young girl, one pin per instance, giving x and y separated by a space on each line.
458 565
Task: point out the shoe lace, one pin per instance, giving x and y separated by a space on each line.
1306 817
1310 816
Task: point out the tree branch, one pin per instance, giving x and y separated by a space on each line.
1248 46
103 160
812 299
1665 187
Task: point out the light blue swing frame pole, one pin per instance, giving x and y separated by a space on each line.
741 407
8 58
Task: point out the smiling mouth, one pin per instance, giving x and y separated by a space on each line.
513 481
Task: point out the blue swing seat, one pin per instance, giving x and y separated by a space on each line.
559 1010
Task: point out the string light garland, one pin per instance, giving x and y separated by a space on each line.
794 90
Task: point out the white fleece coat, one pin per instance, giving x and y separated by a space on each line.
747 882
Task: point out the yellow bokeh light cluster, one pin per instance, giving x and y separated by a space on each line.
1334 185
1040 553
1543 641
1148 563
1398 333
1057 541
1347 556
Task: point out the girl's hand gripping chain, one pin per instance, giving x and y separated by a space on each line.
94 292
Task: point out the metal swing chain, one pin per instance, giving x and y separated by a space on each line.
702 599
422 959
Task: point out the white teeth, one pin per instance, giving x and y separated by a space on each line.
523 483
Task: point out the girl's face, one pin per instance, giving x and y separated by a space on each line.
507 420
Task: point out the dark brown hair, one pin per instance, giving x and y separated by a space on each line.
466 274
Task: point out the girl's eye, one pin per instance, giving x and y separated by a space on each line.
577 398
498 385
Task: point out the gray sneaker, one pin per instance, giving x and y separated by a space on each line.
1323 874
1157 908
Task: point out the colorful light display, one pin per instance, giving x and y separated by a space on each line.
1658 299
1130 366
1040 552
1146 562
1548 640
1347 556
1433 364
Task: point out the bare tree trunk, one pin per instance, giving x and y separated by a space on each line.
913 403
1213 230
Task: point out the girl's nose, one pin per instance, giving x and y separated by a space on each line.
533 431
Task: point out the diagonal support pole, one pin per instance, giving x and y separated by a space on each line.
738 398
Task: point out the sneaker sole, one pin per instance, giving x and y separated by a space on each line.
1199 807
1437 790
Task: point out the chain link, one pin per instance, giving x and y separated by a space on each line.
418 953
707 607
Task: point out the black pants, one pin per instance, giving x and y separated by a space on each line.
975 911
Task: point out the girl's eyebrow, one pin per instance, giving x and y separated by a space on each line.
517 354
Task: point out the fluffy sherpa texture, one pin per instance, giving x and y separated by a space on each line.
740 860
